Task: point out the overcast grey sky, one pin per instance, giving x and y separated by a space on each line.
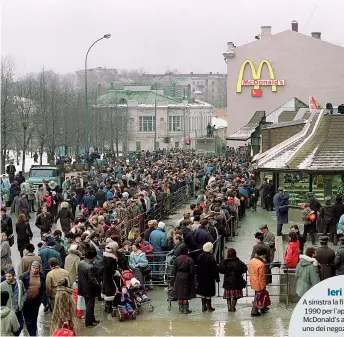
189 35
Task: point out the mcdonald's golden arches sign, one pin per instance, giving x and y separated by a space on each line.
256 81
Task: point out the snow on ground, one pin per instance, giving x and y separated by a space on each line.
28 161
218 122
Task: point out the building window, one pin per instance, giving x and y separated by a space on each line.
176 145
175 123
147 124
212 89
193 82
138 146
212 82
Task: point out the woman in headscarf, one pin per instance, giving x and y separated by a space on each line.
233 282
137 261
111 274
207 274
64 309
24 233
66 217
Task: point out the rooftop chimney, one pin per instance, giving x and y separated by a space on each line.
295 26
316 35
265 32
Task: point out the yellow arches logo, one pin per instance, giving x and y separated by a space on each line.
256 81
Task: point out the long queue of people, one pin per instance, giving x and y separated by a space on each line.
91 246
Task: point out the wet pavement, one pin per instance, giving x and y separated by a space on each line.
162 322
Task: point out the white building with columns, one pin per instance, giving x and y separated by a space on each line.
179 119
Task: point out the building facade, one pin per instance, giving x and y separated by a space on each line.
179 120
268 72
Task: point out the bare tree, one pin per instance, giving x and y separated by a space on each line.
24 113
7 107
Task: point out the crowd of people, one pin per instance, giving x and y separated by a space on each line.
112 227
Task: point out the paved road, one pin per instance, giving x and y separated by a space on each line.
219 323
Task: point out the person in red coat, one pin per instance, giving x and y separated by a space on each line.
291 258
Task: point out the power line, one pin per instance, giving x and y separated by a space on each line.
310 17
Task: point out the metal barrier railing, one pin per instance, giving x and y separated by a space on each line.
157 212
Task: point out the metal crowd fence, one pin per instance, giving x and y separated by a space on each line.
283 285
159 211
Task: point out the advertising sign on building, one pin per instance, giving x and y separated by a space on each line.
256 80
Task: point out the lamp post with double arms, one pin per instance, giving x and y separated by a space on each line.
156 93
106 36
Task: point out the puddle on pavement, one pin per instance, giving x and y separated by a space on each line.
162 322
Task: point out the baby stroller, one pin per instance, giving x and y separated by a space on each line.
139 295
125 308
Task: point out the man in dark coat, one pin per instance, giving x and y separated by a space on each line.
88 286
325 256
6 223
339 259
338 211
11 170
202 235
326 215
281 201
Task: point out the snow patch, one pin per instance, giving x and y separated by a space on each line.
308 160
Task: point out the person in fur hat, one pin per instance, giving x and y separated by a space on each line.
64 309
111 274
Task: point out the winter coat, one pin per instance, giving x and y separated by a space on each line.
281 201
307 274
339 261
100 198
6 225
24 206
291 258
260 244
183 275
19 291
26 262
325 256
137 260
338 211
89 201
71 264
9 322
257 272
44 222
24 235
15 208
110 268
5 255
189 238
202 236
88 285
64 311
147 233
233 270
269 240
326 214
25 278
207 274
46 254
66 218
53 278
158 240
178 248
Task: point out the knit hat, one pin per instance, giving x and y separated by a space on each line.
111 247
161 225
36 264
10 271
207 247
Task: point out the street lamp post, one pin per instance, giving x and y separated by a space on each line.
156 93
106 36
